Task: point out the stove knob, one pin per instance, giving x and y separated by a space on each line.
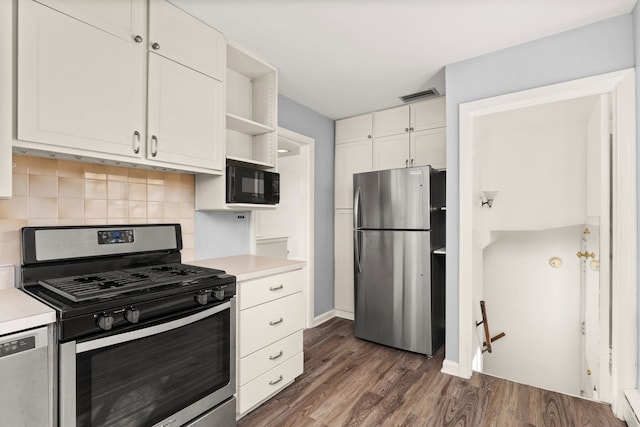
218 293
201 298
132 315
105 321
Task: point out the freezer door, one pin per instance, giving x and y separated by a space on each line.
392 288
392 199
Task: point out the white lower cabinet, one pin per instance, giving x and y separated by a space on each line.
269 341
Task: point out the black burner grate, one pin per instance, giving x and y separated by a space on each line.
111 283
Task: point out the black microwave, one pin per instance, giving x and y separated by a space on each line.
245 185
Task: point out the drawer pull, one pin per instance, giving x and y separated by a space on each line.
276 288
277 356
275 322
276 381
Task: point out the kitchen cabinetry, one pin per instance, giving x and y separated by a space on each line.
6 101
270 323
353 154
344 290
83 91
410 135
251 125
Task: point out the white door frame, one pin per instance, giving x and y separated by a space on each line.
620 86
307 155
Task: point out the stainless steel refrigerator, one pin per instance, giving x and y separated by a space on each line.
399 219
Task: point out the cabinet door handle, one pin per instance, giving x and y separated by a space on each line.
411 162
138 38
154 145
406 163
155 46
277 356
276 322
369 136
136 142
276 381
406 129
411 129
276 288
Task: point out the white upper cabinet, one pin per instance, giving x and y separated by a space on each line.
185 115
354 129
179 36
94 86
410 135
78 87
126 19
391 122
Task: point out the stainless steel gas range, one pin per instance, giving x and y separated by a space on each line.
142 339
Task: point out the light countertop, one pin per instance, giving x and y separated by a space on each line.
19 311
247 267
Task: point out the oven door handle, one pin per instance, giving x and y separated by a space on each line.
147 332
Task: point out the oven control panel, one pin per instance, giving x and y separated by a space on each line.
108 237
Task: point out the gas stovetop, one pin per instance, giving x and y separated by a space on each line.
108 284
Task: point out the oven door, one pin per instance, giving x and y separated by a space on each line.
166 374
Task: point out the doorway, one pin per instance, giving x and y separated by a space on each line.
619 89
287 231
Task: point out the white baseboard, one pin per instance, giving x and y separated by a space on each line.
450 368
631 407
344 314
320 319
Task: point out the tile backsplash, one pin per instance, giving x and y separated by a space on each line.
60 192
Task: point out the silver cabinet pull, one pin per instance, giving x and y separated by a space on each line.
136 143
411 129
154 145
276 322
406 129
406 163
369 136
138 38
276 288
155 46
276 381
277 356
411 162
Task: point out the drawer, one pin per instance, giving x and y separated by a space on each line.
264 289
269 383
269 357
267 323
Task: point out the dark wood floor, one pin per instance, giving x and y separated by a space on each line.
351 382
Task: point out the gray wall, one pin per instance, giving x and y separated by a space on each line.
590 50
220 234
301 119
636 45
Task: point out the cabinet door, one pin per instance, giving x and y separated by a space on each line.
185 116
429 147
391 152
79 87
176 35
123 18
391 122
354 129
428 114
354 157
343 268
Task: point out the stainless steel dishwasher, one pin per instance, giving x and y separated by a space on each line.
24 375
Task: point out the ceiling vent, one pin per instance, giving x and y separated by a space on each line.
429 93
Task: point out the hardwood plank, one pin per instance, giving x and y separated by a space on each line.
352 382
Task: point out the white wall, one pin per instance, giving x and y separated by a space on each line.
537 306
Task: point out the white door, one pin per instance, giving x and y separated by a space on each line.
429 147
185 116
354 129
428 114
350 158
393 121
343 274
391 152
79 88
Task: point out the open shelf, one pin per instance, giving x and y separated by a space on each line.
246 126
250 162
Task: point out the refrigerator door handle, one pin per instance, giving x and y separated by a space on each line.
356 208
356 246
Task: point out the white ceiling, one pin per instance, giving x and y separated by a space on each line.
347 57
